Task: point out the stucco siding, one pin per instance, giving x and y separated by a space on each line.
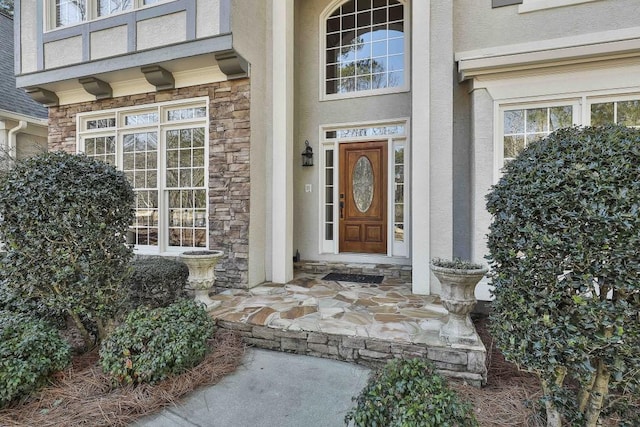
63 52
207 18
28 37
250 25
479 26
109 42
462 171
162 31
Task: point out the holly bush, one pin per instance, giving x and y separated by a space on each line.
152 344
12 301
30 351
64 220
409 393
157 282
564 252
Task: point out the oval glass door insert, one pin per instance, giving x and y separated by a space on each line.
363 184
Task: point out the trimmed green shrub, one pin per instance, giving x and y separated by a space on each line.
564 251
30 351
64 224
409 393
10 301
157 282
152 344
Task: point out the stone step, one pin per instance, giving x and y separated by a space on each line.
464 362
396 271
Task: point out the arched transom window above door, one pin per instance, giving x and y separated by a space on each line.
365 48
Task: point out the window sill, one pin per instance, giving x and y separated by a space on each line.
535 5
145 252
362 94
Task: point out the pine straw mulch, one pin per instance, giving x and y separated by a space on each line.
84 396
510 397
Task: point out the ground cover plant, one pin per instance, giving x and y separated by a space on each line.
564 251
30 351
153 344
82 395
64 224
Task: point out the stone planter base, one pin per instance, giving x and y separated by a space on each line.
202 275
458 297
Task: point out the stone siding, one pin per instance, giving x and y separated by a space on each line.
463 363
229 162
395 271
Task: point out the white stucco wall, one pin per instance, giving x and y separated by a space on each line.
28 38
208 18
477 25
251 29
110 42
162 31
63 52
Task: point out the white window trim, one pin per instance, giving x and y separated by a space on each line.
92 13
581 103
372 92
535 5
394 249
597 99
500 108
163 247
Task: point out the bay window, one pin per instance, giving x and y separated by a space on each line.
162 151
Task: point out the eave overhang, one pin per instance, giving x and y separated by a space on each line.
157 66
589 48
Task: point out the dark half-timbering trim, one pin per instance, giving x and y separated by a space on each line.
500 3
129 60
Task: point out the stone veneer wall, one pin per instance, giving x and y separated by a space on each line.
397 271
462 363
229 149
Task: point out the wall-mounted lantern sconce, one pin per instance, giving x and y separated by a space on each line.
307 155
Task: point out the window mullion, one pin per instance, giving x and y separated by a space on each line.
163 205
92 9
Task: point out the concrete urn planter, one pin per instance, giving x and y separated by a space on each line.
458 297
202 274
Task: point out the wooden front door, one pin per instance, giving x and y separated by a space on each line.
363 197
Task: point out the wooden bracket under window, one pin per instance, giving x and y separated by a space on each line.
96 87
232 64
159 77
43 96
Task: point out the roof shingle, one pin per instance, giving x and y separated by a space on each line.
13 99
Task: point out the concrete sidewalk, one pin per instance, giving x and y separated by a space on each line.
271 389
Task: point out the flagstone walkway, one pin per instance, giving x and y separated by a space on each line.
364 323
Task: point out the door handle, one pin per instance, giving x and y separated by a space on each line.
341 210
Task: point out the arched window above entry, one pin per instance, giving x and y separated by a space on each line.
365 48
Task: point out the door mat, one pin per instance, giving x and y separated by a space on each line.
355 278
